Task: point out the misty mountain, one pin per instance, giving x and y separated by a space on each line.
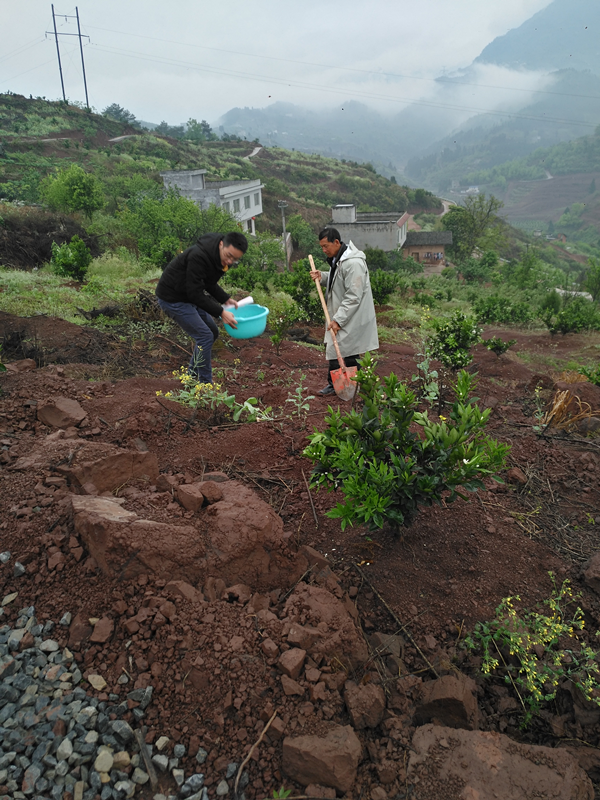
560 36
561 41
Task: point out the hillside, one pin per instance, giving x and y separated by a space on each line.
37 137
560 36
486 143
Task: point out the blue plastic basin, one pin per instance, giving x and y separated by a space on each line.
251 321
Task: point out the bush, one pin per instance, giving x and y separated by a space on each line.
578 314
383 285
502 309
384 469
71 260
592 374
301 288
453 340
498 345
73 189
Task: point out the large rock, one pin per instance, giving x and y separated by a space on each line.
451 701
125 546
245 541
63 412
239 539
334 620
330 760
484 765
365 704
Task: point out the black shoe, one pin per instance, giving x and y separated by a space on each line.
327 390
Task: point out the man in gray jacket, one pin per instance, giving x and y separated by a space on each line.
349 302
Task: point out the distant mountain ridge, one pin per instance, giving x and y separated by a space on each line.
561 36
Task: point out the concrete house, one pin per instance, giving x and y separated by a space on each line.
387 231
428 247
242 199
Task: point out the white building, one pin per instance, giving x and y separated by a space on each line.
242 199
384 230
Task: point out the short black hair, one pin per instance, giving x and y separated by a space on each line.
331 234
237 240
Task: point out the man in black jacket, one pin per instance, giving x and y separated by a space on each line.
189 293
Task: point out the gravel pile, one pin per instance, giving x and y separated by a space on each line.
57 739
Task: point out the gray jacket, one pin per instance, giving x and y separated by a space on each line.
350 304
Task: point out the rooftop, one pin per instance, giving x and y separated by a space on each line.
416 238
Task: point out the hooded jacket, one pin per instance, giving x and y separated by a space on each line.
350 304
193 276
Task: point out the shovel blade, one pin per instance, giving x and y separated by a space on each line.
344 386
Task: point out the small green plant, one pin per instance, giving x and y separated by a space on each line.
591 373
299 401
282 793
71 259
453 340
537 649
213 397
281 320
384 469
498 345
428 385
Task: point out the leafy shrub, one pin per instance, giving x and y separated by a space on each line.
498 345
593 375
71 259
377 259
496 308
303 236
282 315
479 269
453 340
301 288
73 189
545 649
578 314
552 302
384 469
383 285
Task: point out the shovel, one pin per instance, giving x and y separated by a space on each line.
344 386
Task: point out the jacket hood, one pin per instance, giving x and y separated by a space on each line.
210 244
352 251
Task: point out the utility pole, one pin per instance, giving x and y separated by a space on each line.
283 205
62 83
80 36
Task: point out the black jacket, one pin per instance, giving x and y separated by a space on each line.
193 276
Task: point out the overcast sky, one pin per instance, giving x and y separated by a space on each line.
191 59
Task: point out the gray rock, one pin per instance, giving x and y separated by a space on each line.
178 776
5 557
140 777
201 755
122 730
222 788
179 751
66 618
160 761
231 770
65 749
19 570
49 646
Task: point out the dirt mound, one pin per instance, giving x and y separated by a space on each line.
26 236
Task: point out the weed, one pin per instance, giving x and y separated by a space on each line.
537 649
300 403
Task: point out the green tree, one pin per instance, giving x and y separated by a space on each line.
303 236
592 278
474 225
73 189
199 131
120 114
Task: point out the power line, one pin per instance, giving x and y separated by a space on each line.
348 69
329 90
21 49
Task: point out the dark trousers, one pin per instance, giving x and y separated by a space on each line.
198 324
349 361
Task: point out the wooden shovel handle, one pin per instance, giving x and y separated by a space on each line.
326 312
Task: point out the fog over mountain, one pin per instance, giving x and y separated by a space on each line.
533 84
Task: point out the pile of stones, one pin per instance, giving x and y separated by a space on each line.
55 738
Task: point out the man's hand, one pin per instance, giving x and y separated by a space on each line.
228 318
315 275
333 326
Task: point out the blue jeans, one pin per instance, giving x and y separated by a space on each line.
198 324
